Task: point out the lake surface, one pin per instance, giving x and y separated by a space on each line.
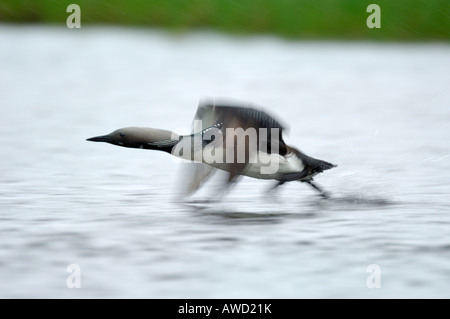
381 111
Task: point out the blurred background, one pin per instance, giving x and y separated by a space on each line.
327 19
375 101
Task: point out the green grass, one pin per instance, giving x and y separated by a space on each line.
414 20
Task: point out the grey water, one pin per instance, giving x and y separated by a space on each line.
381 111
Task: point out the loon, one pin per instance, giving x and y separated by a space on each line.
238 138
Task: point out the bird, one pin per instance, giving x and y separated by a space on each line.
237 137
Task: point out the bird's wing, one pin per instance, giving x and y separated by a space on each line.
232 114
194 176
223 114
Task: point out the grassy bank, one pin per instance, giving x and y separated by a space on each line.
304 19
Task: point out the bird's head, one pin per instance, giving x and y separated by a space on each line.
135 137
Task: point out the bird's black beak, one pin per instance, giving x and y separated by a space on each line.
103 138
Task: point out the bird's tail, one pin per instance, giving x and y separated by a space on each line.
322 165
316 165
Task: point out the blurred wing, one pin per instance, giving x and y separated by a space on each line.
233 114
194 176
229 114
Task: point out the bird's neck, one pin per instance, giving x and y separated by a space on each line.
156 139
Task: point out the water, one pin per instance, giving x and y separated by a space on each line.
380 111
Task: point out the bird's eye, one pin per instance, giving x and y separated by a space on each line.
122 134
